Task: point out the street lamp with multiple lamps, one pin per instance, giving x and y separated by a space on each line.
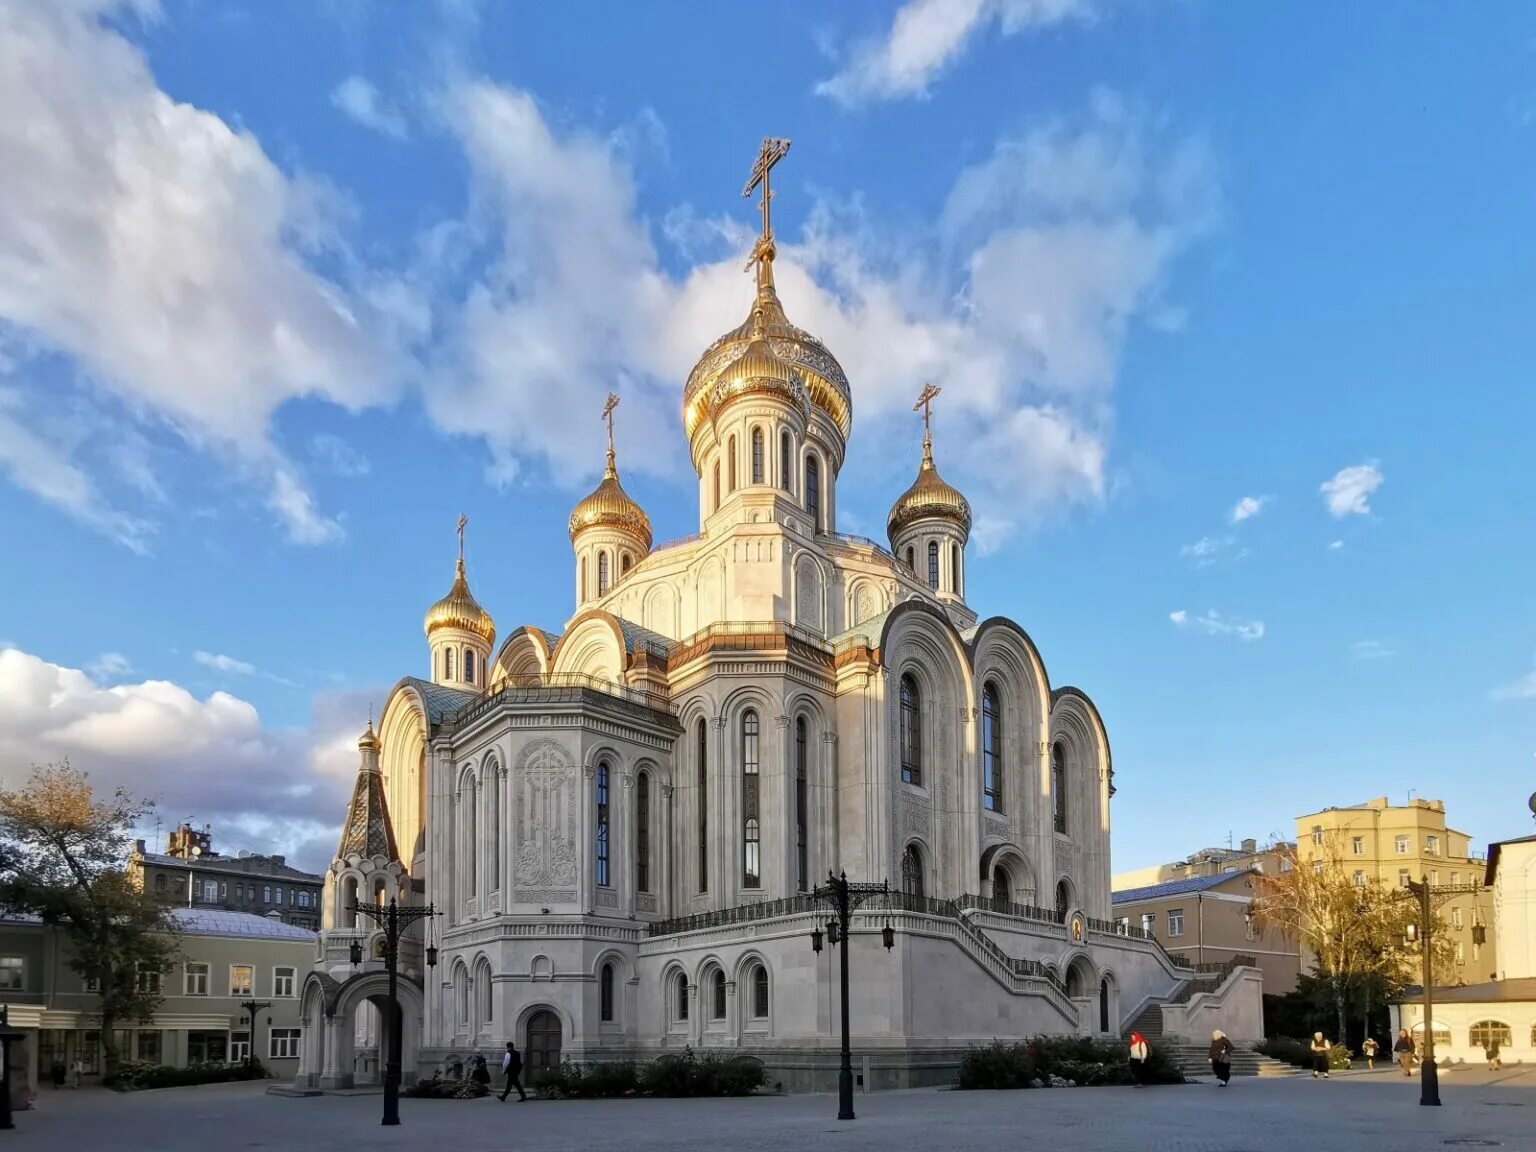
1422 934
394 920
253 1007
843 898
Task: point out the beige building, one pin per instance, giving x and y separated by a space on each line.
1397 843
1205 921
1247 856
226 958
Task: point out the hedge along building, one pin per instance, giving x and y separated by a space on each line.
622 821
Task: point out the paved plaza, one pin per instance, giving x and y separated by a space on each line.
1350 1112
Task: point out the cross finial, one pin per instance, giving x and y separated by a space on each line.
770 153
608 406
463 521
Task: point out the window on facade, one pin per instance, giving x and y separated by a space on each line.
680 987
751 843
785 458
195 979
1286 864
802 807
1455 917
485 992
1432 845
277 896
991 748
1063 898
912 871
1486 1032
13 974
581 583
759 993
605 993
1149 923
757 455
160 882
469 665
283 1044
1357 845
1402 878
933 565
911 561
239 1047
954 567
717 996
703 790
717 485
1059 787
146 1045
1401 845
447 663
911 732
643 832
602 573
1175 922
1001 890
1359 878
283 980
1317 867
242 979
624 563
602 824
733 463
1317 835
813 492
1461 955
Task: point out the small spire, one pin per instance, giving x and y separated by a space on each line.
925 402
463 523
612 471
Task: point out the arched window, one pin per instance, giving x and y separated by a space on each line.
483 992
1486 1032
605 993
757 455
717 998
912 871
1059 786
813 491
911 732
1063 898
643 832
1002 891
732 446
802 807
751 841
1104 1005
703 789
469 665
602 573
717 485
581 580
759 993
911 561
493 818
680 994
933 565
785 458
461 994
447 663
602 824
991 749
954 568
624 562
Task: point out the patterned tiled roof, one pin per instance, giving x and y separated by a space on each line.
439 700
1174 887
368 832
217 922
637 638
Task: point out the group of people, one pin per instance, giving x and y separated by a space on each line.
72 1073
480 1072
1220 1057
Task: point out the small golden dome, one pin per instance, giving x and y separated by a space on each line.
930 497
459 609
368 740
609 506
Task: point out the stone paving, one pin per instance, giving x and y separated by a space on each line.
1354 1112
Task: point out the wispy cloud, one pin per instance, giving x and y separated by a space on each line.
1336 546
360 100
1521 688
336 456
1213 624
221 663
109 666
1370 650
1348 493
1209 549
1249 507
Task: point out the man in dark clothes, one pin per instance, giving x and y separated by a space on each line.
512 1066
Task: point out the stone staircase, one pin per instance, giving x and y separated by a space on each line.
1149 1022
1193 1060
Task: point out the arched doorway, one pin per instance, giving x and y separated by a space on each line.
1002 890
541 1050
1103 1005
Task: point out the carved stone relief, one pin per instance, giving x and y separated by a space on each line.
916 818
546 822
607 898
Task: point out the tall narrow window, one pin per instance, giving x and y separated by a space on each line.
911 732
813 491
911 561
643 832
602 573
760 993
912 871
473 842
784 462
703 766
605 994
602 824
954 568
717 986
624 563
991 748
802 807
1059 786
933 565
757 455
717 485
469 665
581 582
493 816
732 445
447 663
751 841
682 996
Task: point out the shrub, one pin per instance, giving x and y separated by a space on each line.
1298 1053
1081 1059
435 1089
134 1075
681 1074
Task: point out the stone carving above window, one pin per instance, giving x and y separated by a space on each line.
546 820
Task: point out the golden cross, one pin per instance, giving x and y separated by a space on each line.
771 152
463 520
925 402
608 407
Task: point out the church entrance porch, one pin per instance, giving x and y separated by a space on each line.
541 1048
347 1030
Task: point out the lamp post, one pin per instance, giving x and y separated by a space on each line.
1429 1075
394 920
253 1007
8 1036
842 897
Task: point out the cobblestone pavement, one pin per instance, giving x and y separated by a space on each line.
1349 1112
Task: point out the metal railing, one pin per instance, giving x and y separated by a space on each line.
1009 908
677 542
752 628
864 542
741 914
555 688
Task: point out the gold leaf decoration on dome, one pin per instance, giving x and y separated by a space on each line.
608 505
930 496
459 609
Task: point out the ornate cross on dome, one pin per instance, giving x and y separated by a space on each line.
463 521
925 402
609 405
772 151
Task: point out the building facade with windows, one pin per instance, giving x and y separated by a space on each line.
622 821
190 874
226 958
1396 843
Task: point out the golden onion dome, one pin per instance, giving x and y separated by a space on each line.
821 377
759 371
609 506
930 497
459 609
368 740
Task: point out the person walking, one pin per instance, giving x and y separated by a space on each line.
59 1072
1319 1056
78 1072
1221 1057
512 1068
479 1072
1139 1053
1403 1050
1491 1050
1368 1050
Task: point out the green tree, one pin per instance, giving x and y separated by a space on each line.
63 854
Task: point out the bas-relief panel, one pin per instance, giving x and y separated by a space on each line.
546 824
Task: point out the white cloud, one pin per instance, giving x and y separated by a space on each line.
1208 549
1336 546
222 663
927 36
109 666
361 101
336 456
1521 688
1370 650
1214 625
1249 507
194 756
1348 493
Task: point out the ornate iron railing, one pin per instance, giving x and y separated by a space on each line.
555 688
865 542
741 914
1009 908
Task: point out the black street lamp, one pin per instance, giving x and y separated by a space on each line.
394 920
253 1007
1429 1075
8 1036
843 897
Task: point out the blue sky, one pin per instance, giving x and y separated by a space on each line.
285 287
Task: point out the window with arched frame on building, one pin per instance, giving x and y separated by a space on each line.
1486 1032
813 491
933 565
602 824
757 455
602 573
991 748
680 996
493 816
732 462
624 562
1059 786
461 993
605 993
802 807
911 561
471 817
643 833
484 993
1063 898
1002 890
954 568
786 459
581 579
912 871
751 815
759 993
717 996
911 731
447 663
717 485
469 665
703 802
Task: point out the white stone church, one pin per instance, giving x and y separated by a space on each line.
621 821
